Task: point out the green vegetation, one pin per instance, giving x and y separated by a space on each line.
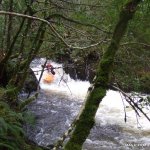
12 136
70 31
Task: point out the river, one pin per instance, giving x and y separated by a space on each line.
58 104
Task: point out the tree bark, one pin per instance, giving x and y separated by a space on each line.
100 85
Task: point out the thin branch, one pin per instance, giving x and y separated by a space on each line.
73 28
78 31
35 18
82 4
137 43
124 108
72 47
62 79
59 6
51 27
90 46
137 120
41 74
130 101
78 22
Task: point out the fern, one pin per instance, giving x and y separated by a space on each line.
12 135
29 118
3 126
3 145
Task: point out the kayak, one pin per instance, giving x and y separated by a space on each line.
48 78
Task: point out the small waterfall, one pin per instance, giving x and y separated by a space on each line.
60 101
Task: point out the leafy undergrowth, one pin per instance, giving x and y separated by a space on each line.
12 135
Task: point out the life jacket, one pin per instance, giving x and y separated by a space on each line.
50 68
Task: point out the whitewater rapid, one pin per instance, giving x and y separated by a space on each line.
110 131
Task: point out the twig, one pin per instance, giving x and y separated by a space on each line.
80 4
61 78
47 69
132 103
137 43
137 120
42 72
125 117
64 82
78 22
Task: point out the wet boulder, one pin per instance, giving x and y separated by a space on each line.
83 67
31 83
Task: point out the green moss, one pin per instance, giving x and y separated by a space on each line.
86 120
72 146
12 135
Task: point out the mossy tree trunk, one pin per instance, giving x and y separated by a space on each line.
97 92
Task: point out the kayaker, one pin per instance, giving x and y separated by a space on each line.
50 68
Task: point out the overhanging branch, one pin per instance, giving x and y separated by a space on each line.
134 105
135 43
78 22
51 27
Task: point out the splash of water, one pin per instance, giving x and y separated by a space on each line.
62 82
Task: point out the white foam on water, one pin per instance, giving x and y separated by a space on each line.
111 109
63 83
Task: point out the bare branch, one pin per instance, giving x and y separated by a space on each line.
42 73
124 108
132 103
82 4
137 43
78 22
62 79
51 27
38 19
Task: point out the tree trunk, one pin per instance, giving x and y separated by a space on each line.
98 91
